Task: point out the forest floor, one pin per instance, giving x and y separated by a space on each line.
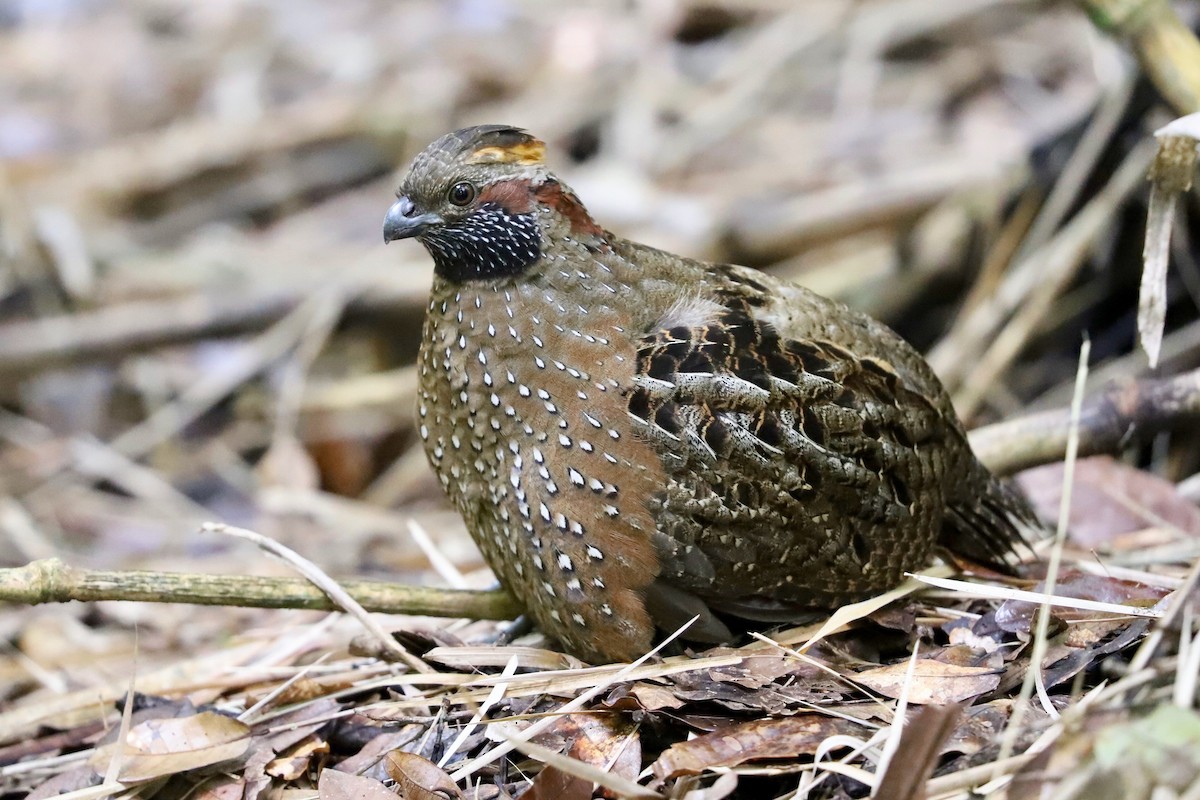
201 334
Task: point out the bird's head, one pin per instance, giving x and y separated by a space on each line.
474 198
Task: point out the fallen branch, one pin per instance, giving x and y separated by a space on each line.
51 581
1124 410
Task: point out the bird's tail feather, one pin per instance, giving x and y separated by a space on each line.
992 525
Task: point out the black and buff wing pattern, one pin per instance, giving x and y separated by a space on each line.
802 464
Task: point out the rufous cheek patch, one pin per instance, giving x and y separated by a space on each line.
526 153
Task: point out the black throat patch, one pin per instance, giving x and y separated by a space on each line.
491 242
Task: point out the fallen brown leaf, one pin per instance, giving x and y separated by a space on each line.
750 741
419 778
605 741
295 762
221 787
933 682
1108 499
334 785
553 783
160 747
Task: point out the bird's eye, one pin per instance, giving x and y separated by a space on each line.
461 193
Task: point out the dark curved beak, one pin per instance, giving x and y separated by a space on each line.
403 221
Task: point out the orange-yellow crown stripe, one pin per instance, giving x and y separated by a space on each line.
526 153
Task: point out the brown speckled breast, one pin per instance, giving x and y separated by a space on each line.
523 414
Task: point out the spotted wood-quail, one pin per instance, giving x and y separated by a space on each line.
635 438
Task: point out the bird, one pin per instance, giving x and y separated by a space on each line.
637 440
